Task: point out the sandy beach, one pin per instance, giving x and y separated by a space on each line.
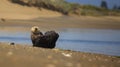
28 56
22 18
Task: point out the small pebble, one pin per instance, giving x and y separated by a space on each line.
56 50
99 58
67 55
106 59
30 47
84 56
90 60
49 57
12 43
9 53
2 19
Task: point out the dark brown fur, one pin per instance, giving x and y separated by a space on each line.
48 40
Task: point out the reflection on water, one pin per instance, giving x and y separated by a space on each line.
86 40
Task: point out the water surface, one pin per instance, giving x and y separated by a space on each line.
85 40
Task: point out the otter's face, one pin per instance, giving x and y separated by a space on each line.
35 29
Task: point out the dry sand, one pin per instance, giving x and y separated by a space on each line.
9 10
28 56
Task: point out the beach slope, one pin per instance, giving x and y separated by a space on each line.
10 10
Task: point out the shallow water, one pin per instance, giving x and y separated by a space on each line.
85 40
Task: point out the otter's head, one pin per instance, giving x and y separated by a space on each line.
35 29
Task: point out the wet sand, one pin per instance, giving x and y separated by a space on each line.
61 23
28 56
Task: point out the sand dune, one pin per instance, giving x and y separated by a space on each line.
10 10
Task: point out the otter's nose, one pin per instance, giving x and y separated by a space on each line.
36 29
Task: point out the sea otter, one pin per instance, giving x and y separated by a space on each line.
48 40
35 34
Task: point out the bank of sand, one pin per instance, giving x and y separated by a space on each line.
62 22
28 56
21 18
